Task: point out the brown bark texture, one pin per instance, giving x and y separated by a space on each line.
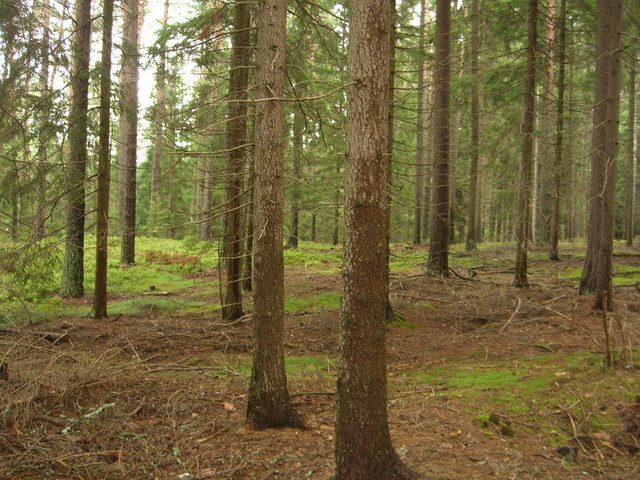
363 443
596 275
472 235
525 190
102 207
72 282
236 135
554 227
268 403
438 263
128 134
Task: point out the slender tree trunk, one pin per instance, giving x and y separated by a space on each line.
525 189
630 177
335 236
596 275
472 234
102 207
439 243
421 147
554 224
390 315
363 444
429 156
128 134
247 265
72 283
41 175
237 132
544 157
268 403
159 118
296 157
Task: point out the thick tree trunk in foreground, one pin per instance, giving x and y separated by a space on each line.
525 190
363 443
268 404
439 242
102 208
237 132
72 283
596 275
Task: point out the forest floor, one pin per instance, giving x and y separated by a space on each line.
485 381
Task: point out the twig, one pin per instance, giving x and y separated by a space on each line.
576 324
515 312
303 394
553 299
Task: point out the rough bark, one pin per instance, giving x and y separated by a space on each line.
236 134
128 132
268 403
72 283
438 263
596 275
363 443
525 190
102 207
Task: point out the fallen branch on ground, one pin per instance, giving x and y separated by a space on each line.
49 336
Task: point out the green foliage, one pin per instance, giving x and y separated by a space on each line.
137 306
29 271
321 257
534 385
320 301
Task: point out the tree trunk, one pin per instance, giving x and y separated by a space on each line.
297 146
159 118
102 207
472 234
72 283
630 177
128 134
525 189
596 275
268 403
45 92
439 242
363 443
554 224
421 147
247 265
236 132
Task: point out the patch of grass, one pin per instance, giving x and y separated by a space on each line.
295 365
36 312
136 306
320 301
310 365
320 257
573 384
